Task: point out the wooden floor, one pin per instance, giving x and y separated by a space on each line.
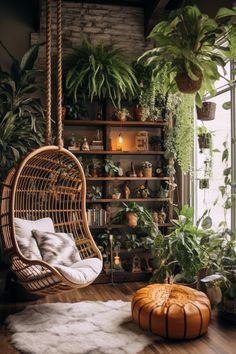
221 337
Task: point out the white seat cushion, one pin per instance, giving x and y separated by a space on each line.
25 239
81 272
57 247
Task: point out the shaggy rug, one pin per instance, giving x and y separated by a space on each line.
92 327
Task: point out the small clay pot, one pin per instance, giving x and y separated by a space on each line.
132 219
147 172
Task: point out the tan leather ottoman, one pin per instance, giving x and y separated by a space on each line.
171 311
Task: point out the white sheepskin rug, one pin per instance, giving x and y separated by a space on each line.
92 327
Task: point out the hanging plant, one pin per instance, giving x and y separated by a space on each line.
98 71
184 132
190 42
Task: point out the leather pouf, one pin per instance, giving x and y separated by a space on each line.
171 311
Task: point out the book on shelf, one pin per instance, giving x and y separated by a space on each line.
97 217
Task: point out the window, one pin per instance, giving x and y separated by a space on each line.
209 197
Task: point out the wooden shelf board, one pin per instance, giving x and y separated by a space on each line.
122 226
114 123
145 200
127 178
115 152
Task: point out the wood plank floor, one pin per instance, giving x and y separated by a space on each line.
220 339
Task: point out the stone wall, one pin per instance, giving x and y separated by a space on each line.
123 26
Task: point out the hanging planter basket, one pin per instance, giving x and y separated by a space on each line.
204 183
207 111
187 85
204 141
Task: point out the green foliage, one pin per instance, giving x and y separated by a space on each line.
98 71
110 167
221 268
21 112
189 41
179 250
185 132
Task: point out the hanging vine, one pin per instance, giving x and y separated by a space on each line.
184 132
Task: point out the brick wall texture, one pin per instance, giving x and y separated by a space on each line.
123 26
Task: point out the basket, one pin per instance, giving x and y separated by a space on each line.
207 111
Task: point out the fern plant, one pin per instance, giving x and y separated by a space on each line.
98 71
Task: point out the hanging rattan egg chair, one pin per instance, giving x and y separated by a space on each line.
49 182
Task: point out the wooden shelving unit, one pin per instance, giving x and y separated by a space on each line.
115 152
107 202
113 123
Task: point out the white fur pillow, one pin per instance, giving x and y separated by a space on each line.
57 248
25 239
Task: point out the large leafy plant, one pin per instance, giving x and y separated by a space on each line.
190 42
179 252
98 71
21 112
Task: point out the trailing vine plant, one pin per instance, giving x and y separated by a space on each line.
184 131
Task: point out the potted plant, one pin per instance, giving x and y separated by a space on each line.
94 166
122 114
189 41
110 168
204 138
203 183
207 111
134 214
179 255
99 71
116 194
147 168
221 270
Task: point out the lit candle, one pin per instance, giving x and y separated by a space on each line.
119 142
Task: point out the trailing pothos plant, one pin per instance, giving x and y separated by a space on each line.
190 42
98 71
21 113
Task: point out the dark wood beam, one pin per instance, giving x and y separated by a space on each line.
133 3
153 12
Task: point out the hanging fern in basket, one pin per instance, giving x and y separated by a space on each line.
98 71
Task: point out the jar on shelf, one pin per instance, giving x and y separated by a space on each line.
85 145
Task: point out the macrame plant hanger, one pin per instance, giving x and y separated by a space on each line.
49 182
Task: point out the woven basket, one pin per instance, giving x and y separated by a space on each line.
207 111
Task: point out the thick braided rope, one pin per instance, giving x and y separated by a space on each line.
48 70
59 74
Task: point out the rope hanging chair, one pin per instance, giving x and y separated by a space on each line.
49 182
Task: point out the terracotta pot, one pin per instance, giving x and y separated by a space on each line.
147 172
132 219
207 111
187 85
